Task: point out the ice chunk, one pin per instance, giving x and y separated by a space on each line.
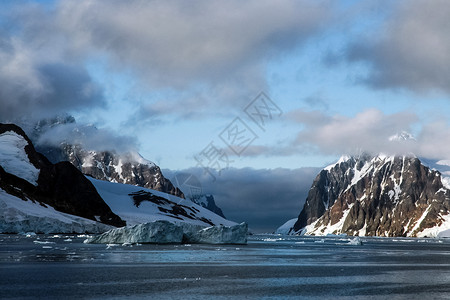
355 241
157 232
236 234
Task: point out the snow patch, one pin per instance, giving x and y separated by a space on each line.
439 231
14 159
402 136
417 225
287 227
342 159
327 228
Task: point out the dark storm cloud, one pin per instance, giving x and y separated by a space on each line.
411 50
265 198
34 87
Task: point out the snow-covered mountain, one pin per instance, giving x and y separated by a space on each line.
137 205
33 190
377 196
36 195
126 167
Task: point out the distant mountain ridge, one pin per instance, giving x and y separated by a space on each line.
129 167
376 196
207 201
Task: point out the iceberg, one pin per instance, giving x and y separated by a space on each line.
157 232
163 232
236 234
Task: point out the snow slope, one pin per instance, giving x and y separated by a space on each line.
155 206
19 216
14 159
287 227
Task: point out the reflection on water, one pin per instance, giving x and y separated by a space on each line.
273 266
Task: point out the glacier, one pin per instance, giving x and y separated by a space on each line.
19 216
164 232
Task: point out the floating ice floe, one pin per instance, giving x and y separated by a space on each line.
164 232
355 241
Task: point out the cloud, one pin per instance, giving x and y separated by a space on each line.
434 140
34 87
265 198
217 50
174 43
369 131
410 50
88 136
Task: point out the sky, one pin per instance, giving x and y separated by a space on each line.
238 90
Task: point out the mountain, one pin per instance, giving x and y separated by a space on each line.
207 201
136 205
376 196
128 167
37 195
29 182
193 191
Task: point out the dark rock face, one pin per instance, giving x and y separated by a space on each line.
375 196
107 165
60 185
128 168
208 202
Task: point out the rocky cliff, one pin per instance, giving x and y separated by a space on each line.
207 201
376 196
28 175
126 167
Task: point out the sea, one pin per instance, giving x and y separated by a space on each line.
268 267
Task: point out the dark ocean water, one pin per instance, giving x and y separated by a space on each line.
269 267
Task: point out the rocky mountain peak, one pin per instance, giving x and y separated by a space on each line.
127 167
375 195
402 136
